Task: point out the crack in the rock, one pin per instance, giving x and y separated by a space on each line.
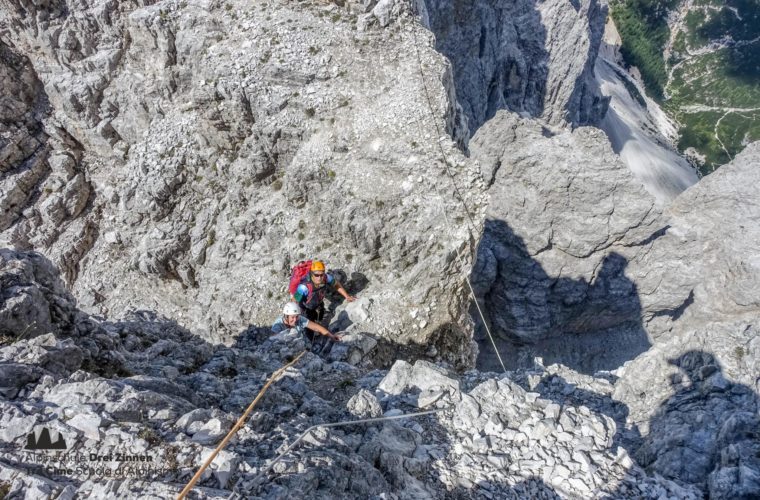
649 239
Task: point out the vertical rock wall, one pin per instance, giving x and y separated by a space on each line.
223 142
522 56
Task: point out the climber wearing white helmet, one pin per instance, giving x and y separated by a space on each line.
292 318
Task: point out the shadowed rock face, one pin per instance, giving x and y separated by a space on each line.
574 245
551 261
34 298
706 432
44 192
524 56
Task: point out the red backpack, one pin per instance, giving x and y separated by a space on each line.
297 274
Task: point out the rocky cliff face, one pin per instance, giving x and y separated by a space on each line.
210 161
527 57
555 207
145 387
574 246
174 397
223 144
44 191
578 266
174 160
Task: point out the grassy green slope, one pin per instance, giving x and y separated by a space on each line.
711 82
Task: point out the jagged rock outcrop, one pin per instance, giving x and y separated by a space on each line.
44 189
711 351
577 262
574 245
704 430
527 57
35 305
175 159
539 432
556 198
34 299
214 148
554 261
712 243
222 147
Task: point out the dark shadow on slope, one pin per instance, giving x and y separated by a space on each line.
588 326
707 433
587 105
498 56
154 370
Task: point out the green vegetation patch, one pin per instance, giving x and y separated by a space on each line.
727 78
739 19
711 82
679 45
644 30
698 132
718 136
693 21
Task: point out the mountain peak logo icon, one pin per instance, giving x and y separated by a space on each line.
42 441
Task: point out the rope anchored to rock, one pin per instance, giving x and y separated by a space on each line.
287 450
459 195
236 427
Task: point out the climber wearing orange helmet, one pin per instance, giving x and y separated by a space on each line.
311 291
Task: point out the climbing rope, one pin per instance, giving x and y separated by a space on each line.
287 450
446 164
236 427
349 422
470 230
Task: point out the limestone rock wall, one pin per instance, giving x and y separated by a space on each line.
45 193
531 57
222 143
175 396
564 215
574 246
175 159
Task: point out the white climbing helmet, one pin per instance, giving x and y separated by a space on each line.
290 309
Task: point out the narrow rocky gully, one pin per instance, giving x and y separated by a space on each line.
164 165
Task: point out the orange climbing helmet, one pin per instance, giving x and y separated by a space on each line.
318 265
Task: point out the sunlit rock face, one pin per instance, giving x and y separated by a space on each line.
204 149
165 165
